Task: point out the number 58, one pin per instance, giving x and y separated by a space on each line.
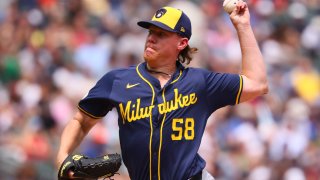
182 128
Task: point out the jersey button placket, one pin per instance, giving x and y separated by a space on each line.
159 100
155 147
156 134
155 167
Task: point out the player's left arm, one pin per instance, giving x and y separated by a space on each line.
253 70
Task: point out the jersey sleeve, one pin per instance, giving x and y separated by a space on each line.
223 89
98 102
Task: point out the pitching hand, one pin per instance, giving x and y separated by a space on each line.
240 16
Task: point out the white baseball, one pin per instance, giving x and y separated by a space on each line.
229 5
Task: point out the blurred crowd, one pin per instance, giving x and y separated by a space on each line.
53 51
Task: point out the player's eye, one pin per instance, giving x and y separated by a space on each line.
157 33
161 34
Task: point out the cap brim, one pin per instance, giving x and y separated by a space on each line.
147 24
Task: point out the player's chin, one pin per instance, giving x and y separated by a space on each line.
148 56
147 59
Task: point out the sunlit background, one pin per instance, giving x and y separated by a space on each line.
53 51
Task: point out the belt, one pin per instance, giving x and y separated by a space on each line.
198 176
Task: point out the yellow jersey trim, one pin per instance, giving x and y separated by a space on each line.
177 78
88 114
240 90
170 18
161 128
151 127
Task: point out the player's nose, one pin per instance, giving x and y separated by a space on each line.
151 38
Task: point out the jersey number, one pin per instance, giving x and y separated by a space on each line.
181 127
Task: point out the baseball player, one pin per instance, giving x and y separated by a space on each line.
162 105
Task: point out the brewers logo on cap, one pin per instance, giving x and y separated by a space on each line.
170 19
160 13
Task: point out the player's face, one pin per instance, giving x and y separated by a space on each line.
162 45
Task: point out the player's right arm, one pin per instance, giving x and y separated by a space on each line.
253 68
73 134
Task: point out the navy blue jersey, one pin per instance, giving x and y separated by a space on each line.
160 129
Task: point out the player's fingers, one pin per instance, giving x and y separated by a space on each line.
240 2
240 6
238 9
243 5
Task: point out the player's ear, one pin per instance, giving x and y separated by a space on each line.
182 43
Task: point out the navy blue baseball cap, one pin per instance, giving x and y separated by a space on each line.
170 19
